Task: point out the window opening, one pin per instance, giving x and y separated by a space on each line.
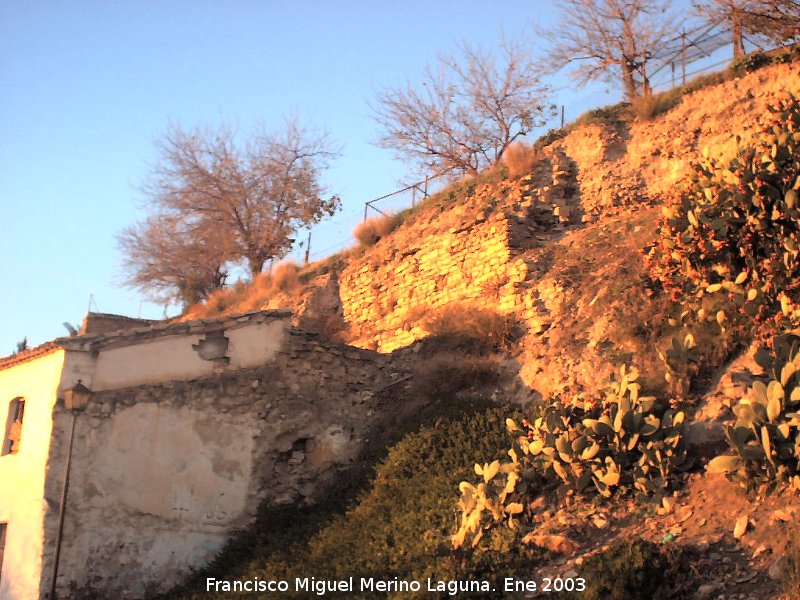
13 434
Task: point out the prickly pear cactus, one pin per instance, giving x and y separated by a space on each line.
728 245
765 439
620 443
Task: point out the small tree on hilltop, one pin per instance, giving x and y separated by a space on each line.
777 20
465 112
174 260
731 12
214 202
611 39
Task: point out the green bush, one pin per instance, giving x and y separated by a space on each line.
401 527
605 115
333 264
749 63
550 137
703 81
447 374
628 570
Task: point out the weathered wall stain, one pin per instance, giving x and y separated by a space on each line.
162 473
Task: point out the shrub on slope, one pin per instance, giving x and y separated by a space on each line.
400 527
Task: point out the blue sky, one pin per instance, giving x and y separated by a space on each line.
87 87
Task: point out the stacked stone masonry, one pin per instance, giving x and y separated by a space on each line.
481 250
151 460
467 253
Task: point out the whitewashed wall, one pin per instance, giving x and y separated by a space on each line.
22 475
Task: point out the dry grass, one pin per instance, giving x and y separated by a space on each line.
462 322
791 576
370 231
520 159
334 328
647 108
284 277
606 313
267 290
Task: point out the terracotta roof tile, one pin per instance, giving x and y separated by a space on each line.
26 355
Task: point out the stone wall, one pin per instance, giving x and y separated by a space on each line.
486 246
469 252
161 474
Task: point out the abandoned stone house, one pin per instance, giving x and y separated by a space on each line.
131 450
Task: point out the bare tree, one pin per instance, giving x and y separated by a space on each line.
611 40
213 202
466 111
726 11
773 20
171 260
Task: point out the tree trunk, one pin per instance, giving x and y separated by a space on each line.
628 82
255 264
736 33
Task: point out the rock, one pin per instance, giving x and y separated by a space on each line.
554 543
740 528
777 570
600 521
705 590
705 439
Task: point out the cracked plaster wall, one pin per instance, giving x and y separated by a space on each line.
162 473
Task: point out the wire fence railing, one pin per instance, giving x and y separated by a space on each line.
697 51
384 205
691 53
417 191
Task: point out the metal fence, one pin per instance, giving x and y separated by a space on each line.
305 250
699 50
417 192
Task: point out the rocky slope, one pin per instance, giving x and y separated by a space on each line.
559 252
558 249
